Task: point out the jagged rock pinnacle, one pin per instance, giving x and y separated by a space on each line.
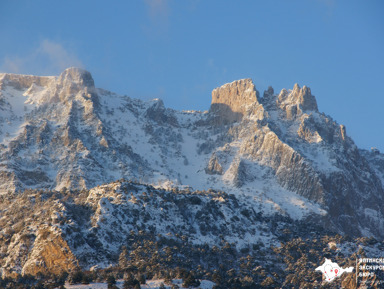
306 99
230 101
297 101
269 92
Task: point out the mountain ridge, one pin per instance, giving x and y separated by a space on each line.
64 133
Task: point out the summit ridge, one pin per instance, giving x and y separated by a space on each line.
60 133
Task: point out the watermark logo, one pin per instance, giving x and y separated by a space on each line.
368 267
332 270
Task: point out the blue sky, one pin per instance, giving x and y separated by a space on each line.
179 50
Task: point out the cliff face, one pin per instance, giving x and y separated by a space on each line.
306 152
230 102
50 253
62 133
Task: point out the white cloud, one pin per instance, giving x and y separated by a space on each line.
48 58
12 65
59 57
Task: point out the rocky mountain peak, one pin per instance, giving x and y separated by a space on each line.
269 92
75 83
76 75
306 99
159 114
230 101
297 101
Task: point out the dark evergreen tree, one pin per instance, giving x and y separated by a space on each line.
131 283
123 261
141 279
76 277
86 279
111 282
190 281
62 277
168 279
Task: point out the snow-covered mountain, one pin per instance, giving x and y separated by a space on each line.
60 133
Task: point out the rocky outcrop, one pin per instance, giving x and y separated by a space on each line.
308 131
237 173
159 114
76 76
343 131
289 167
51 254
76 84
214 167
297 101
230 102
20 82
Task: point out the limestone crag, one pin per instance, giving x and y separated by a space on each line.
214 166
297 101
50 253
230 101
20 82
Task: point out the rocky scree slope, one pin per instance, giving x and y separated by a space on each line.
62 133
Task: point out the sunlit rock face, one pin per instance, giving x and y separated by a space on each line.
231 101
